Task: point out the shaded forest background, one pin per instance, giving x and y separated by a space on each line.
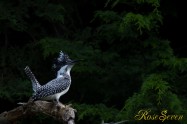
134 55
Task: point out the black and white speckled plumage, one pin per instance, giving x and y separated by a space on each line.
62 60
56 87
53 87
35 83
59 62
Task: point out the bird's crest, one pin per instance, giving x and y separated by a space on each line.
62 60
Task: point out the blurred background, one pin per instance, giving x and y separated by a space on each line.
134 50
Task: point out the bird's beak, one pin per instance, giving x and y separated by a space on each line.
71 62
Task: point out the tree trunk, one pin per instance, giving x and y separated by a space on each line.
62 113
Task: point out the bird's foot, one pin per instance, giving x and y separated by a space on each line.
69 105
59 104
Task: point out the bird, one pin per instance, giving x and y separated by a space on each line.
57 66
57 87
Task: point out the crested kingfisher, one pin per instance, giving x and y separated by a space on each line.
57 87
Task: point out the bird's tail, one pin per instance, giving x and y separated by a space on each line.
35 83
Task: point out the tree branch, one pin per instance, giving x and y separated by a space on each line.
64 114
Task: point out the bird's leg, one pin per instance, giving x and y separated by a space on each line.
55 102
58 103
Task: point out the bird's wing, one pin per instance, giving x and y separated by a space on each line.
54 86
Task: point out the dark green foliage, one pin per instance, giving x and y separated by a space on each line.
127 65
96 113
